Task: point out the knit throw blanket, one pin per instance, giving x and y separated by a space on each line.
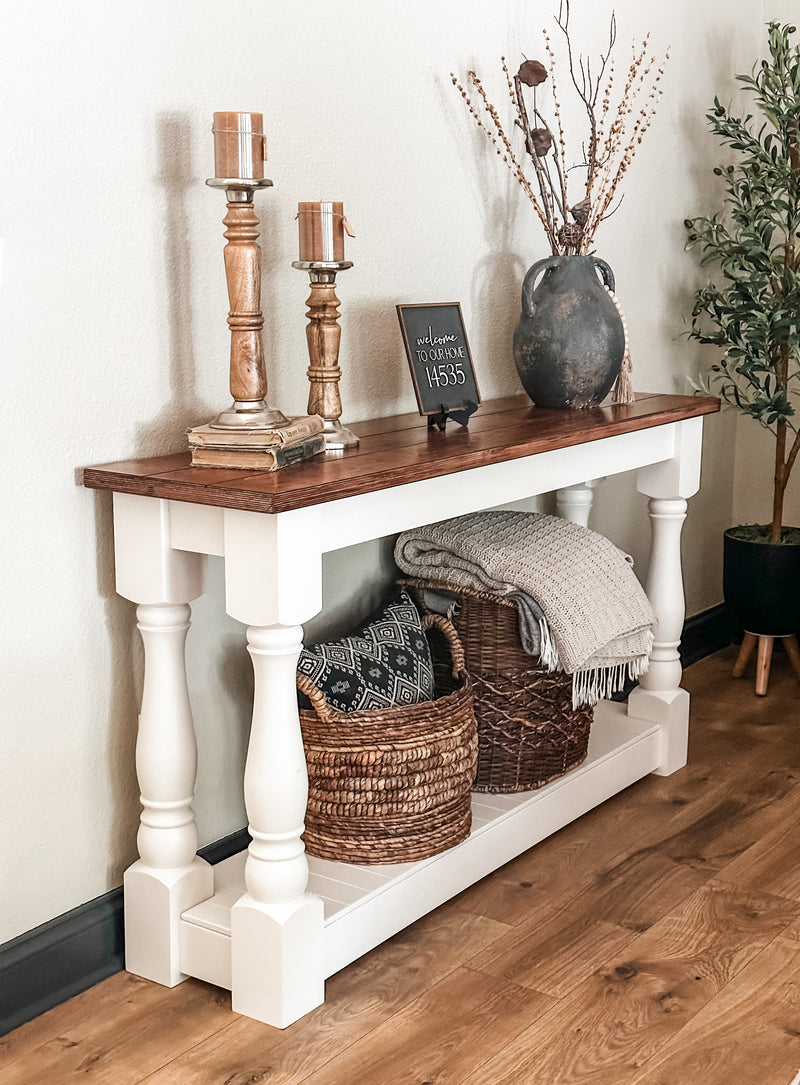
581 608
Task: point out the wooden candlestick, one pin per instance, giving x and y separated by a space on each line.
323 335
242 253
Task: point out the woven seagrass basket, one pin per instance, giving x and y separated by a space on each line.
528 731
393 785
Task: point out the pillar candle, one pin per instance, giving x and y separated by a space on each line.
322 227
240 147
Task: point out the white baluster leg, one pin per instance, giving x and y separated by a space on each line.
277 925
665 590
168 877
659 697
574 503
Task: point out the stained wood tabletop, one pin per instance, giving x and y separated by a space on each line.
394 451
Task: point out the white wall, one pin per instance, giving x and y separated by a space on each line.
755 467
113 304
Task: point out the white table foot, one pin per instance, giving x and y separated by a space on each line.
277 962
154 901
669 709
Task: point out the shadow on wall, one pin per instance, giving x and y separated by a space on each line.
496 284
175 177
375 382
497 298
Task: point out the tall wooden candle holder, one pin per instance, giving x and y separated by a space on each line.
240 151
242 253
323 335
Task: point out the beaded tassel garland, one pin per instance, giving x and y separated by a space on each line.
622 391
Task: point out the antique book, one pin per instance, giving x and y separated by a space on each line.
258 459
298 429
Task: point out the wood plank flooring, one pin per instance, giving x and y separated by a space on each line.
655 941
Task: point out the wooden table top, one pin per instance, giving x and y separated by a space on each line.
394 451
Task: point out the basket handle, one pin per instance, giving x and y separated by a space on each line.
316 696
444 625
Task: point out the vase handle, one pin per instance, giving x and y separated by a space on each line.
529 283
606 273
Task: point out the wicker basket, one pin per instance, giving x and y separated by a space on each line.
393 785
528 731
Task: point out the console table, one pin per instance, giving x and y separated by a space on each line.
271 924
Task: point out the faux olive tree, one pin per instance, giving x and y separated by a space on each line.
752 311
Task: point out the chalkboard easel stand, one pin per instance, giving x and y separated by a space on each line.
461 416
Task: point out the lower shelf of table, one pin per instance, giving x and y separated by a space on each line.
365 905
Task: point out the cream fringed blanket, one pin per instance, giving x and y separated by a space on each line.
581 608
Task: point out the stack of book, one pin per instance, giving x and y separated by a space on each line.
257 449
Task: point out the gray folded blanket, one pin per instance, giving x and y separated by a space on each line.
580 606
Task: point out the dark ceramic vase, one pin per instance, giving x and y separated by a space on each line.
570 341
761 585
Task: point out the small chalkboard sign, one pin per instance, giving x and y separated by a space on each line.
440 361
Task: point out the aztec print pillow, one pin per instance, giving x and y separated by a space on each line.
384 663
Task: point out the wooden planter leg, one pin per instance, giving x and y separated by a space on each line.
764 658
763 663
793 652
746 650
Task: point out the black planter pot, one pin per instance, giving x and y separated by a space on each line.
761 585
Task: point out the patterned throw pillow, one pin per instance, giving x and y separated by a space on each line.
385 663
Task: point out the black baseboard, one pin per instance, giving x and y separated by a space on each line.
704 634
51 963
60 959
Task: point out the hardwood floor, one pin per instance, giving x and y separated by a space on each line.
655 941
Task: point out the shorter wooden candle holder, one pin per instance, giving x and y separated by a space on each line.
323 335
242 253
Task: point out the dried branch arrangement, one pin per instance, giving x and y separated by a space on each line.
615 132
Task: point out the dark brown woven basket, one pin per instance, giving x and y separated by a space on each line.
528 731
393 785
